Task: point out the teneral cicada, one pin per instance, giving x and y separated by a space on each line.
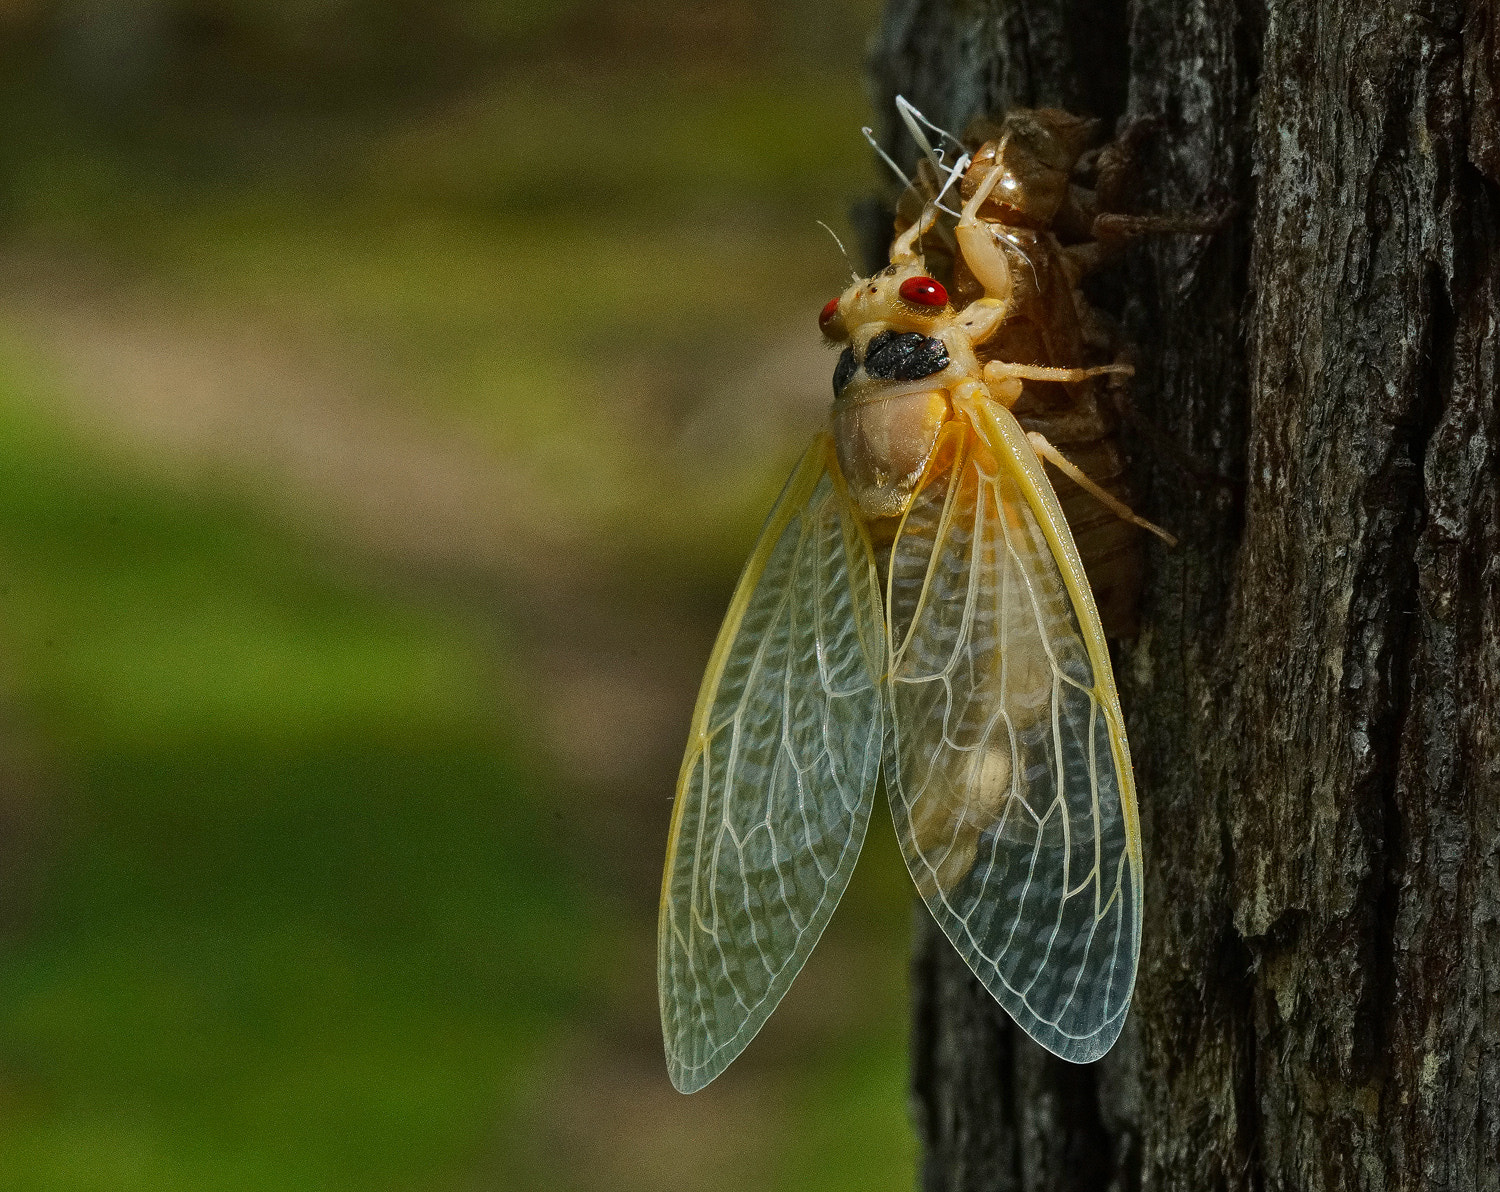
917 609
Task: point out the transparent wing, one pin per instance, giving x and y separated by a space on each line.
776 788
1006 760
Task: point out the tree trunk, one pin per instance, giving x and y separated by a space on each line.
1314 700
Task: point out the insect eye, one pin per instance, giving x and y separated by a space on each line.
829 312
924 291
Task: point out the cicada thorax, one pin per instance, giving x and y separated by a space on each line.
888 409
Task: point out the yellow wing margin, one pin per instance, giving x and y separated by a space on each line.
1006 760
775 791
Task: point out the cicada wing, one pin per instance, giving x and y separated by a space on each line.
777 784
1006 761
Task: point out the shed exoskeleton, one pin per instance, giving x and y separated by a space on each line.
1052 212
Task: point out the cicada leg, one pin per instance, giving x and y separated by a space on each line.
1004 379
904 247
1063 464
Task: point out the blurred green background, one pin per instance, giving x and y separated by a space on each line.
389 394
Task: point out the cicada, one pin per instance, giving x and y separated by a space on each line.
916 611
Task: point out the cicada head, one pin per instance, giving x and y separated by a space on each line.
902 304
904 297
900 297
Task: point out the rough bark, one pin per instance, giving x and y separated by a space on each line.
1314 701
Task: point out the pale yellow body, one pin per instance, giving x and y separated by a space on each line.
916 608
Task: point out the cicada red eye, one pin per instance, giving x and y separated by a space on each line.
924 291
829 312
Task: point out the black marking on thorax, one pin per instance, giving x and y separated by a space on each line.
892 356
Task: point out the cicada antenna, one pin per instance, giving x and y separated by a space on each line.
854 273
